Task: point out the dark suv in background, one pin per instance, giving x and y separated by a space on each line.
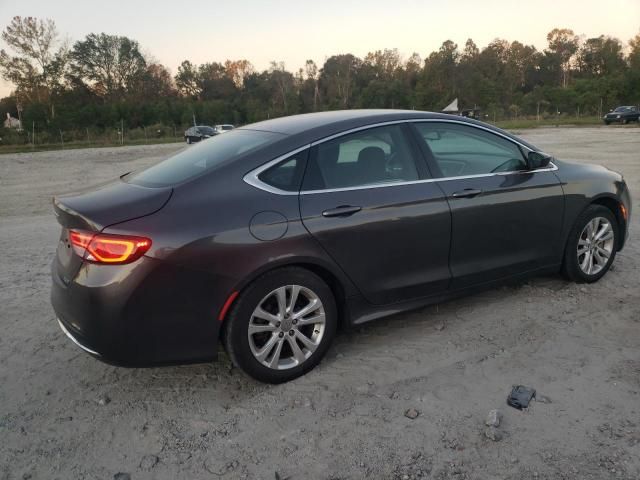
622 115
196 134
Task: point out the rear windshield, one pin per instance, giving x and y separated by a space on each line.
206 130
202 157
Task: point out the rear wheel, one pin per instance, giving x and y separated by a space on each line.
281 325
591 247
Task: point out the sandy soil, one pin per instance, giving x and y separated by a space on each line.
64 415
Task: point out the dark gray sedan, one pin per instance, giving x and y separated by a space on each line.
271 236
622 115
199 133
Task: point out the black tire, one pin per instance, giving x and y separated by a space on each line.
625 121
571 268
607 123
188 141
235 334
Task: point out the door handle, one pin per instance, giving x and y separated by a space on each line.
341 211
467 192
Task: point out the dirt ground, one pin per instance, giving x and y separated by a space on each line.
64 415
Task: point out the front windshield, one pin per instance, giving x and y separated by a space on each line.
206 130
203 157
622 109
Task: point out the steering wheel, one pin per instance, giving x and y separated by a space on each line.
510 165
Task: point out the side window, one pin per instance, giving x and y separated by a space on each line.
287 174
460 150
369 157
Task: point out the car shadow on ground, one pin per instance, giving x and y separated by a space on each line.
430 326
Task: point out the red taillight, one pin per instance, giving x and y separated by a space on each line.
107 248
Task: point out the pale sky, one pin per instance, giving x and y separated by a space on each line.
295 30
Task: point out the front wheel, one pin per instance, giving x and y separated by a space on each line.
188 140
591 246
281 325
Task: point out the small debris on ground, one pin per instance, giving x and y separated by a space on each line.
492 433
542 398
122 476
493 418
148 462
103 400
520 396
412 413
439 326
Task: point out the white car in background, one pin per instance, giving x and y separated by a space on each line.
223 128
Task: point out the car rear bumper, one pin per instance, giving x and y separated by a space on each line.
142 314
76 341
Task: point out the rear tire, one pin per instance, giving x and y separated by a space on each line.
591 246
285 342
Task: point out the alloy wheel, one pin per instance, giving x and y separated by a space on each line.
595 245
286 327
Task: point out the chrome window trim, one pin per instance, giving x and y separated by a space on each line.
552 168
252 177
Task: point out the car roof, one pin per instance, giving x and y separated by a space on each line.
309 127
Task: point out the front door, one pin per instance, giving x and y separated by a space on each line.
364 199
506 219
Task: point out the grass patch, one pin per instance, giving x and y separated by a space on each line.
548 122
25 148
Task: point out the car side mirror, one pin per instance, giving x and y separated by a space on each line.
536 160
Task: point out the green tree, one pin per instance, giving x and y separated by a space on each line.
438 83
338 80
601 56
563 45
38 61
109 64
187 80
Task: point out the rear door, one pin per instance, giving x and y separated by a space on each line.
367 199
506 219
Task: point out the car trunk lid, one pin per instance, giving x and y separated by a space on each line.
97 208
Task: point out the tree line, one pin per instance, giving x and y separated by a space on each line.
106 81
